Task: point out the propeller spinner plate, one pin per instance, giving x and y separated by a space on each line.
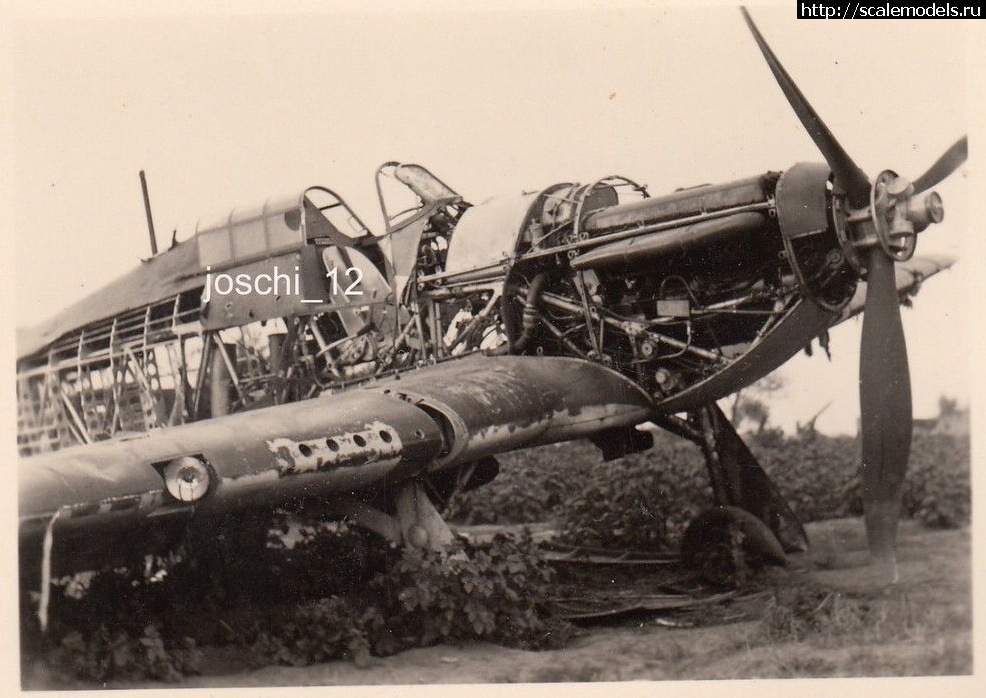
895 233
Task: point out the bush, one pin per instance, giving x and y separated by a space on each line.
108 626
324 559
644 500
315 632
533 485
812 472
641 501
496 592
103 655
937 491
126 625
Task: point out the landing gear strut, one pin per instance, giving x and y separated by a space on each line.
747 505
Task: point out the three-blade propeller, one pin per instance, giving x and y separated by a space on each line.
884 378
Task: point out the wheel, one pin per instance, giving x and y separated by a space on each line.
724 543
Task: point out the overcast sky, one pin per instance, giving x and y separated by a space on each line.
227 111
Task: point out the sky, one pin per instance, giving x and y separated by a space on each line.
225 110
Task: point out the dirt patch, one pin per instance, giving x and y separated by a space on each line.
819 623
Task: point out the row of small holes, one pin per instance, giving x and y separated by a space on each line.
333 445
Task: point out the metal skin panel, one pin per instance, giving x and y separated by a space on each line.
260 457
276 221
803 213
497 404
239 309
743 482
487 234
404 252
110 494
718 231
178 269
801 203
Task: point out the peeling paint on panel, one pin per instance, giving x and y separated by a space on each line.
377 441
250 479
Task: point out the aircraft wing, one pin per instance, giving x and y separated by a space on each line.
910 274
96 497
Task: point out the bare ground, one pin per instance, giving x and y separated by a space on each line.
920 626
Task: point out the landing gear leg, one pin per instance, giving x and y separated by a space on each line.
746 501
420 523
738 479
415 522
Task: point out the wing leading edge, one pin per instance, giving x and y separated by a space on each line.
331 446
909 276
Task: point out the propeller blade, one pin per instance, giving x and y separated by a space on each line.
847 174
944 166
885 408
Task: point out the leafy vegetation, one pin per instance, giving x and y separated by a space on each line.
103 655
645 500
149 625
938 490
496 592
641 501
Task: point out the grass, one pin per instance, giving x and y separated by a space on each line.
818 622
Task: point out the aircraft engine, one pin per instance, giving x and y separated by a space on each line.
728 230
686 293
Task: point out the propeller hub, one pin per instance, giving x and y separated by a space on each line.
894 217
895 234
899 187
924 210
